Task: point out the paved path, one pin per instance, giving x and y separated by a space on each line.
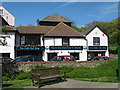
79 84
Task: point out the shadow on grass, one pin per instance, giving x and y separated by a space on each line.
6 85
49 82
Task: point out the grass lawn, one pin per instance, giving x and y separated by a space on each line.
100 79
113 48
18 84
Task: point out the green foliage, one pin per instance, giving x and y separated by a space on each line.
110 28
16 84
23 75
113 50
17 75
106 70
38 66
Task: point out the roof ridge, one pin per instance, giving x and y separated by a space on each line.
72 28
53 28
34 26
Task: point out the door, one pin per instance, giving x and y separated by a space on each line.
51 56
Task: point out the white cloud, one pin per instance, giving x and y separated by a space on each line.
105 11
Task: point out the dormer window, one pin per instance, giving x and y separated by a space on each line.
1 12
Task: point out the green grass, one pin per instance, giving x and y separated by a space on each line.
16 84
112 48
100 79
103 73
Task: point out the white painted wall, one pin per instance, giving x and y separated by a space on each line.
9 48
97 33
8 17
103 39
58 42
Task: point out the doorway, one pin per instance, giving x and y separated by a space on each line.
51 56
75 55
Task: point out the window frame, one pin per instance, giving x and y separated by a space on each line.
1 10
94 43
68 41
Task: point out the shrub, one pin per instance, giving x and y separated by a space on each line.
107 69
38 66
24 75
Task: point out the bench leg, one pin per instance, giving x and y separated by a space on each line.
64 78
39 84
33 82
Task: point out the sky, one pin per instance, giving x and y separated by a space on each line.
81 13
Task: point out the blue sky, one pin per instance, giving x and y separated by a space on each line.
81 13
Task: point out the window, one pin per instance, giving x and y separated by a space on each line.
65 41
22 40
96 40
30 40
1 12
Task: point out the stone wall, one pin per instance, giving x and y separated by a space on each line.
27 66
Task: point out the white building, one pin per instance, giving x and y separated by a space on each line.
63 40
7 37
8 17
50 41
97 42
7 43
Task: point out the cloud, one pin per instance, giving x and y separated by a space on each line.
107 10
66 4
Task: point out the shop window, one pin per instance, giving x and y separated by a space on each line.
96 40
75 55
6 55
51 56
65 41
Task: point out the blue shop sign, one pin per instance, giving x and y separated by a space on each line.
66 47
97 47
30 48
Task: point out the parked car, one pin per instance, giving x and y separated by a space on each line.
101 58
5 60
28 58
63 58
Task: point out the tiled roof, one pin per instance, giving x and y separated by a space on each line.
90 29
34 29
56 18
64 30
8 28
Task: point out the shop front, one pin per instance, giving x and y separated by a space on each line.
29 50
96 51
53 51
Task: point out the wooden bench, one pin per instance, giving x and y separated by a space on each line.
45 74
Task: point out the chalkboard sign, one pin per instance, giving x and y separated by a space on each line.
66 47
30 48
97 47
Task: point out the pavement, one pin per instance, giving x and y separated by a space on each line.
113 57
78 84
